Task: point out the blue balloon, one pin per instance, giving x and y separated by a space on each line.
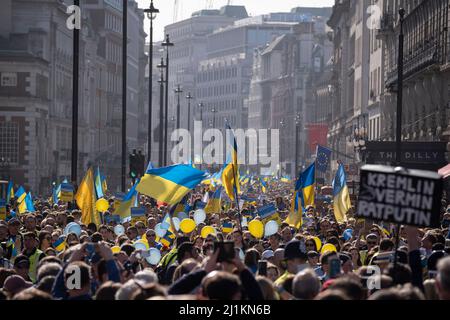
348 234
160 231
154 257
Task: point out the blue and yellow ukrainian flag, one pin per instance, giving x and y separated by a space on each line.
124 209
308 184
60 244
214 203
263 186
170 184
303 196
227 227
10 192
98 184
21 204
29 203
230 173
341 196
168 239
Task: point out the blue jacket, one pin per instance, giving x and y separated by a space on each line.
59 290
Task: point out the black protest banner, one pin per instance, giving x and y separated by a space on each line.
409 197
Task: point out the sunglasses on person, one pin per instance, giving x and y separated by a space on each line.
152 235
371 243
23 266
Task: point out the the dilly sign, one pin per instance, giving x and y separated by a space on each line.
401 196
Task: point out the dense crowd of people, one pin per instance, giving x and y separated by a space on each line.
40 261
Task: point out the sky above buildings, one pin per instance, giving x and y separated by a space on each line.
186 7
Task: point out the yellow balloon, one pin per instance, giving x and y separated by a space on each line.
206 230
115 249
102 205
318 243
328 247
187 225
256 228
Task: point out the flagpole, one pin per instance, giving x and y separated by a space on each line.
237 198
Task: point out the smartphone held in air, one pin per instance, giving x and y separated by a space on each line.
262 268
226 250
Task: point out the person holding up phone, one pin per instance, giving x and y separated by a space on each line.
191 282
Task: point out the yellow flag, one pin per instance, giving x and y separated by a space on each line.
85 199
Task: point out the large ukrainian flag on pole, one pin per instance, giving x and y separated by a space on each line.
308 185
230 172
170 184
10 192
85 198
124 209
341 201
21 204
303 196
214 203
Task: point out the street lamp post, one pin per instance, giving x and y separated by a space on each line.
189 97
213 110
201 105
178 91
399 91
75 75
297 126
166 44
151 15
124 91
161 81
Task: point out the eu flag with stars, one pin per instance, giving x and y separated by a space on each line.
323 158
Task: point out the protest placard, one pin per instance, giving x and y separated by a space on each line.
409 197
138 214
66 192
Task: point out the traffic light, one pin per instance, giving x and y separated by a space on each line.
133 165
141 163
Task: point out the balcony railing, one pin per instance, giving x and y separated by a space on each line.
426 40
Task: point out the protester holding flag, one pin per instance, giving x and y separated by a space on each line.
172 245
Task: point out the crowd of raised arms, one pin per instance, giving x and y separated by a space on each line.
41 259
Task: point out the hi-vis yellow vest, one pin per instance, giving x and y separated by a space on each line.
34 260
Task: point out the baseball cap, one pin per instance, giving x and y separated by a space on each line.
295 249
15 283
267 254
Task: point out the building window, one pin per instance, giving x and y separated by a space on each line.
9 80
9 141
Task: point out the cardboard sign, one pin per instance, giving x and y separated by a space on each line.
66 192
138 214
112 218
409 197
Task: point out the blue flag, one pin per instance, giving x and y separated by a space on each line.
323 158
